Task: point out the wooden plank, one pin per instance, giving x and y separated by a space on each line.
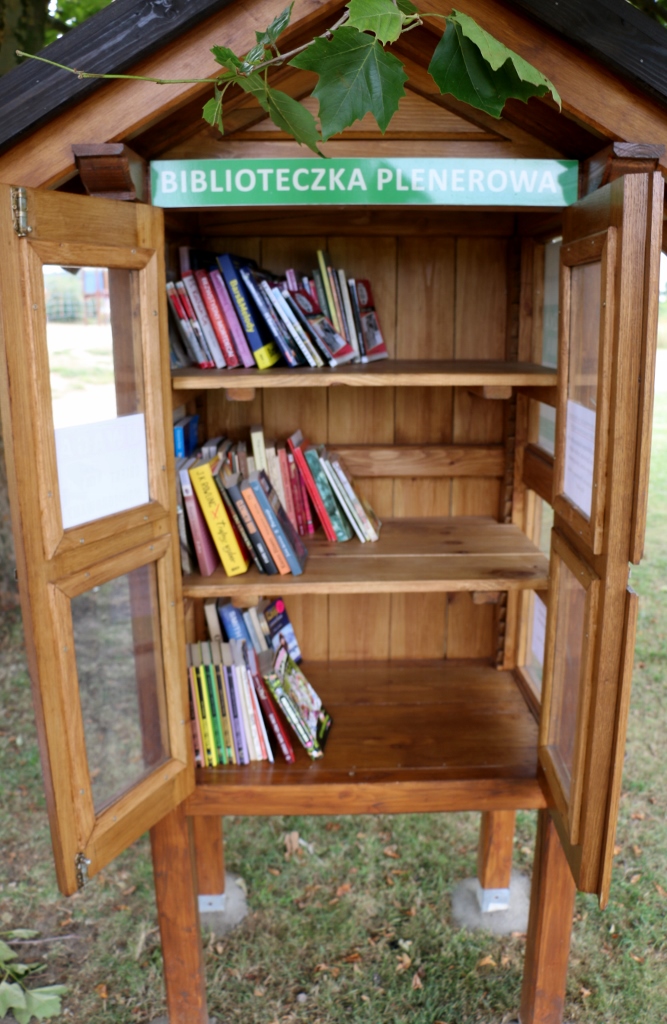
547 396
538 471
549 929
209 854
494 850
422 460
242 221
464 372
178 916
493 391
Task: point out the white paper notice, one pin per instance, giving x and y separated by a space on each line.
102 468
539 630
579 455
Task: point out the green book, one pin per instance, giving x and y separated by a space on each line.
339 521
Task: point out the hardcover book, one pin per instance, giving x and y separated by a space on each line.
337 518
234 560
264 349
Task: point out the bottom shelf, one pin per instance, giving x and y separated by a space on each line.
406 737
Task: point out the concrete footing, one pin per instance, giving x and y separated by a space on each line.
468 899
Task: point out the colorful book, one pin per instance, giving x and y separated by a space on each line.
182 321
205 550
238 523
288 538
195 716
341 527
264 350
231 483
341 496
271 716
186 548
308 703
208 737
206 361
210 682
365 514
231 319
273 614
234 560
374 344
256 507
283 467
257 288
218 322
232 621
324 263
296 443
212 344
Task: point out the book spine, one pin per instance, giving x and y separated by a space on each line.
212 620
258 447
197 302
301 340
207 717
238 523
224 715
289 710
346 484
257 512
320 294
285 336
307 509
276 527
244 707
338 520
183 325
237 718
189 325
195 720
293 543
270 713
342 498
263 732
281 339
291 279
347 310
186 553
283 467
207 556
354 302
231 318
217 320
326 284
233 559
225 689
297 495
233 623
256 539
340 319
216 712
312 490
265 355
253 715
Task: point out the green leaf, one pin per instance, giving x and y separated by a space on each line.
278 25
473 66
254 56
41 1003
6 953
256 86
21 933
212 111
356 76
226 57
407 7
382 17
293 118
12 997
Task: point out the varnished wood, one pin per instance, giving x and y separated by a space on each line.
174 872
617 159
547 396
240 394
494 850
493 391
479 730
538 470
549 929
422 461
111 171
209 853
412 556
387 373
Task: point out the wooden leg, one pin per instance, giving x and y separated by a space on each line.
549 929
494 858
178 916
207 832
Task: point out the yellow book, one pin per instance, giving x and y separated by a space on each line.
326 284
234 561
209 752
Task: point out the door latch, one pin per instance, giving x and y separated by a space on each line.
20 211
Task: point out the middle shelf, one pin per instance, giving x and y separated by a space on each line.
431 555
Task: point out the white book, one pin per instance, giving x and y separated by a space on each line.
349 316
369 529
343 499
296 330
212 619
212 343
258 448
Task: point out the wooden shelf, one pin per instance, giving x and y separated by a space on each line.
385 373
406 736
412 556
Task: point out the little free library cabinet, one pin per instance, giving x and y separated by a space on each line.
479 655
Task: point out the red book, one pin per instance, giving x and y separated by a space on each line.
217 320
207 556
296 488
283 462
233 323
307 511
271 716
295 442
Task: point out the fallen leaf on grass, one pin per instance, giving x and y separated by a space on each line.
390 851
617 850
219 948
416 981
389 880
635 879
352 958
258 992
410 912
404 961
66 923
320 968
636 850
274 871
365 999
638 816
332 826
585 992
129 891
343 889
334 901
518 935
487 961
102 991
638 959
660 890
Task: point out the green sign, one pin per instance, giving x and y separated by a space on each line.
399 181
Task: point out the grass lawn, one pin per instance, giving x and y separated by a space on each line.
358 926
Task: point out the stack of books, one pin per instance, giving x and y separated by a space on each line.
236 507
227 312
245 703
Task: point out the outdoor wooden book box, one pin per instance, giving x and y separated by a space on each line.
429 648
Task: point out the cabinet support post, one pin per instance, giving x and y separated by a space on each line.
494 859
209 853
549 929
176 896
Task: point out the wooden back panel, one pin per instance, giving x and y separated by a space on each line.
438 297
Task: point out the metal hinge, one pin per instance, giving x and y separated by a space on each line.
20 211
81 863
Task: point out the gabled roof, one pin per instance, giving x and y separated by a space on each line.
127 32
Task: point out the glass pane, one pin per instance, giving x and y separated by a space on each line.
121 684
535 653
97 393
547 428
582 384
570 624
